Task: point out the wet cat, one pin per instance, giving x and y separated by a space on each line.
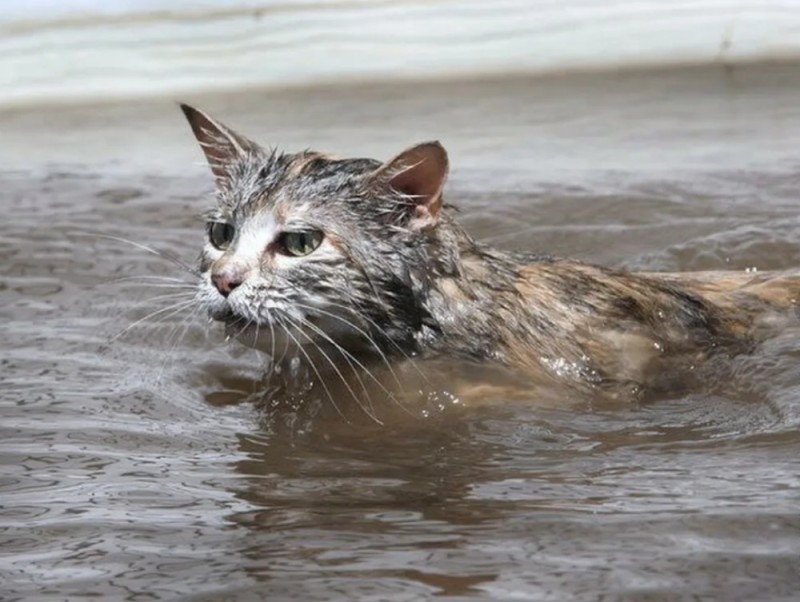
354 262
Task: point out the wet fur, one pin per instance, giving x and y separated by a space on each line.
390 288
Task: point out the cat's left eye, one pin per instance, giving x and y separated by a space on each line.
300 243
221 234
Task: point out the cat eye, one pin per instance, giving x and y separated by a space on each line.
300 243
221 234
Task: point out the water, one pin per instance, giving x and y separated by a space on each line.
134 468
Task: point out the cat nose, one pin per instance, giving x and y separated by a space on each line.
226 281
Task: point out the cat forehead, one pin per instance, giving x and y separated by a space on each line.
285 180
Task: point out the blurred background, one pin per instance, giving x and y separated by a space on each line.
88 50
356 75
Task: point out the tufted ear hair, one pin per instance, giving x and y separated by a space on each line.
221 145
418 173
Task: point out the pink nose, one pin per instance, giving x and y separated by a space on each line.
226 281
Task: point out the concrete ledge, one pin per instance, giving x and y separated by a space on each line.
104 51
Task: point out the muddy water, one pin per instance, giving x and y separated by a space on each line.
135 467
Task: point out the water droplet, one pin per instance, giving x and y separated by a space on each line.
294 367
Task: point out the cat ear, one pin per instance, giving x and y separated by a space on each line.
221 145
419 173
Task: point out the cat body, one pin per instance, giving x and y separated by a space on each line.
357 262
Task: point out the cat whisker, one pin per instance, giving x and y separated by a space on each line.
174 296
272 345
339 372
361 331
174 308
350 358
184 325
178 331
367 336
165 296
353 310
151 278
176 287
162 254
271 359
285 349
385 334
346 353
316 371
241 331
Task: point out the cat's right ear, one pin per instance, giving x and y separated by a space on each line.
221 145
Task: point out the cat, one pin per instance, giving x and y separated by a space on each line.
355 262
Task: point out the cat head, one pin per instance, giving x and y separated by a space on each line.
308 249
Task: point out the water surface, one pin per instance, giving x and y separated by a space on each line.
136 468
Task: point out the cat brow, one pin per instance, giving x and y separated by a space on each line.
213 215
296 225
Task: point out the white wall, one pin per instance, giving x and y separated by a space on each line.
89 50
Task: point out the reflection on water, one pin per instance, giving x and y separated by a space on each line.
139 469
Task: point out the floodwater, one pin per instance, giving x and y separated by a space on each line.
135 466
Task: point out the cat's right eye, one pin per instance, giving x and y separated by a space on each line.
221 234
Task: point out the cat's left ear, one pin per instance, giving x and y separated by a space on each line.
418 173
221 145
